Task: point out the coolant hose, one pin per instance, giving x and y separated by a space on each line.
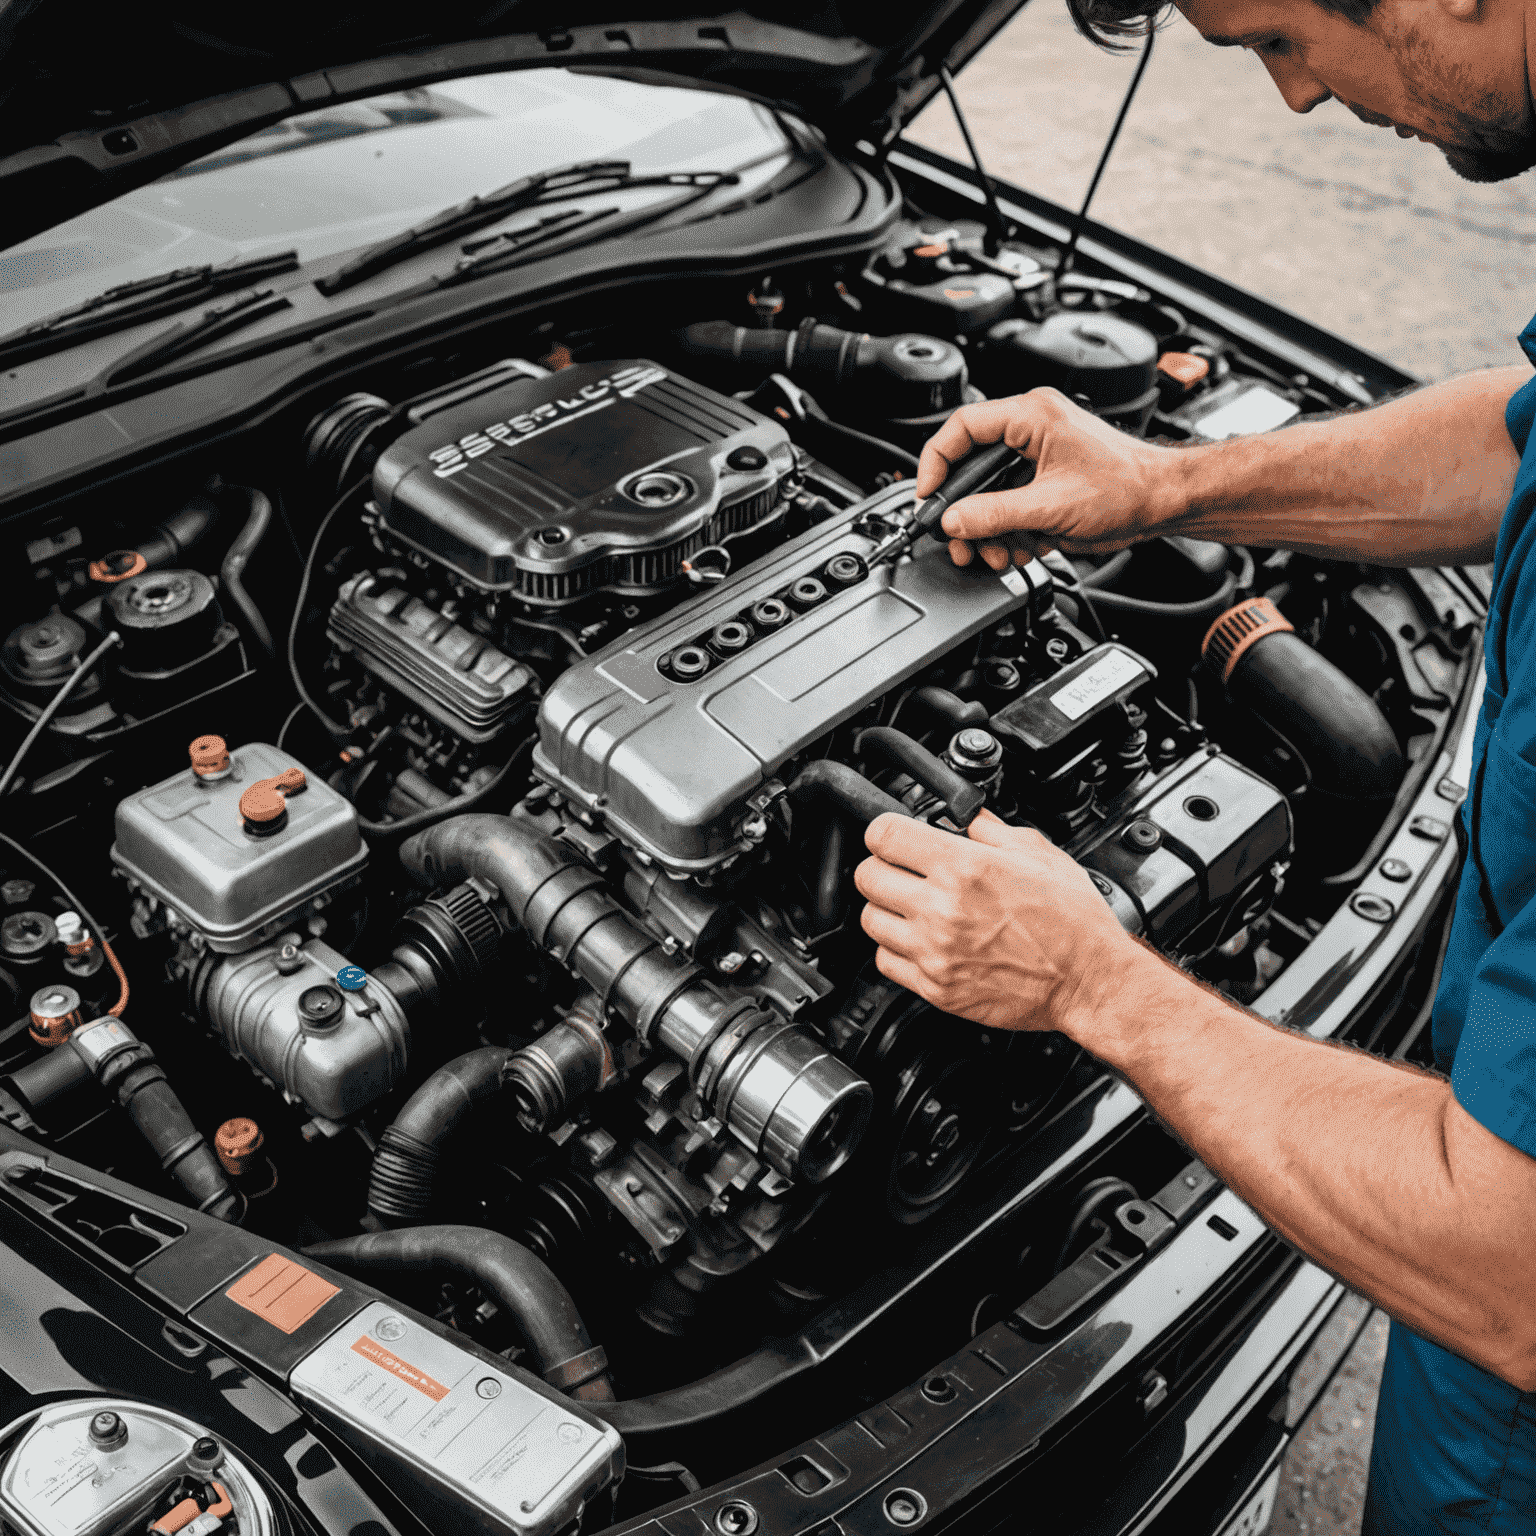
898 750
829 875
949 708
512 1276
1200 608
778 1088
401 1186
836 787
258 519
127 1069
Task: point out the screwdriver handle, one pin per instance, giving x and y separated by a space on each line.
970 474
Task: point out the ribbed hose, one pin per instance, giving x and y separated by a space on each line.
127 1069
514 1277
782 1092
258 518
402 1186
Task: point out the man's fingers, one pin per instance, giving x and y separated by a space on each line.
907 843
960 552
997 556
894 889
972 426
988 829
989 513
886 929
900 970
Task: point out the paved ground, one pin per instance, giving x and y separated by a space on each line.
1361 232
1364 233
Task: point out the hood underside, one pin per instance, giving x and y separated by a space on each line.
89 112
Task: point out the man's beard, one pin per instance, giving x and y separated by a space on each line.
1486 140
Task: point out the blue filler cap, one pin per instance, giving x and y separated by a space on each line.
351 978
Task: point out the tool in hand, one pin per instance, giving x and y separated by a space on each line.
969 475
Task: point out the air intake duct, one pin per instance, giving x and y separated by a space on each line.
781 1092
885 377
1350 751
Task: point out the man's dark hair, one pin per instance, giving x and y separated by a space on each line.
1110 22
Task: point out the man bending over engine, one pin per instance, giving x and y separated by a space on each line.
1418 1191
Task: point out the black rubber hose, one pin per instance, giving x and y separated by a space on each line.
173 537
514 1277
1202 607
898 750
137 1081
378 832
829 875
949 708
837 787
401 1188
258 518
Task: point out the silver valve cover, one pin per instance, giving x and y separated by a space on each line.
669 754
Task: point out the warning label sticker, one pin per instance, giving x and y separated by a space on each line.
281 1292
371 1349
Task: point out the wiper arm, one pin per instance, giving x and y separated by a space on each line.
133 303
569 230
465 218
215 322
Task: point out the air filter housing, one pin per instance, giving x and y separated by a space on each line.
602 477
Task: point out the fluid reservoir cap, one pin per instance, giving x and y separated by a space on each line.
320 1007
210 756
24 934
1185 367
351 978
264 806
55 1014
1111 361
117 565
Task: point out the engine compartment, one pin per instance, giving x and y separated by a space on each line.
516 897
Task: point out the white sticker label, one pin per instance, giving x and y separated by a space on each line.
1111 671
1015 582
1255 410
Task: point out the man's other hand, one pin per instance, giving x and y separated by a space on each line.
999 927
1095 488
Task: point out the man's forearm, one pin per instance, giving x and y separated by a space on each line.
1371 1169
1419 481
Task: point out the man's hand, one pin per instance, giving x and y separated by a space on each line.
999 927
1095 488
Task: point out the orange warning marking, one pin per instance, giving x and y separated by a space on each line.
371 1350
281 1292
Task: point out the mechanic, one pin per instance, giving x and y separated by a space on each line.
1416 1189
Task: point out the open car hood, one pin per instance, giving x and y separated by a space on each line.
150 88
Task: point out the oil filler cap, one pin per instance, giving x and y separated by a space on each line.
351 978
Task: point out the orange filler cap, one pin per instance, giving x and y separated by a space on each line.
1185 367
117 565
1238 629
237 1141
264 806
210 755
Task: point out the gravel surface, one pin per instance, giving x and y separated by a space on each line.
1364 233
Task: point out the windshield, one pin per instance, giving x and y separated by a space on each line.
344 176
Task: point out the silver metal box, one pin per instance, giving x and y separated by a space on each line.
183 844
486 1439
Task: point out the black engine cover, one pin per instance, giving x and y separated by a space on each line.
602 477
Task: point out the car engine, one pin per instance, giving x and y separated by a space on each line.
511 885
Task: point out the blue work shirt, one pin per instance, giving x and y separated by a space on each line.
1455 1447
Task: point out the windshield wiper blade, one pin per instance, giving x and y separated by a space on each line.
217 321
133 303
567 231
465 218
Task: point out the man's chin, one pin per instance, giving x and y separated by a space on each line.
1489 164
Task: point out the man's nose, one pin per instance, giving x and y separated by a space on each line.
1301 89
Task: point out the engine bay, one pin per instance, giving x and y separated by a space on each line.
468 771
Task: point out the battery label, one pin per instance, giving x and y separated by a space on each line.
370 1349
